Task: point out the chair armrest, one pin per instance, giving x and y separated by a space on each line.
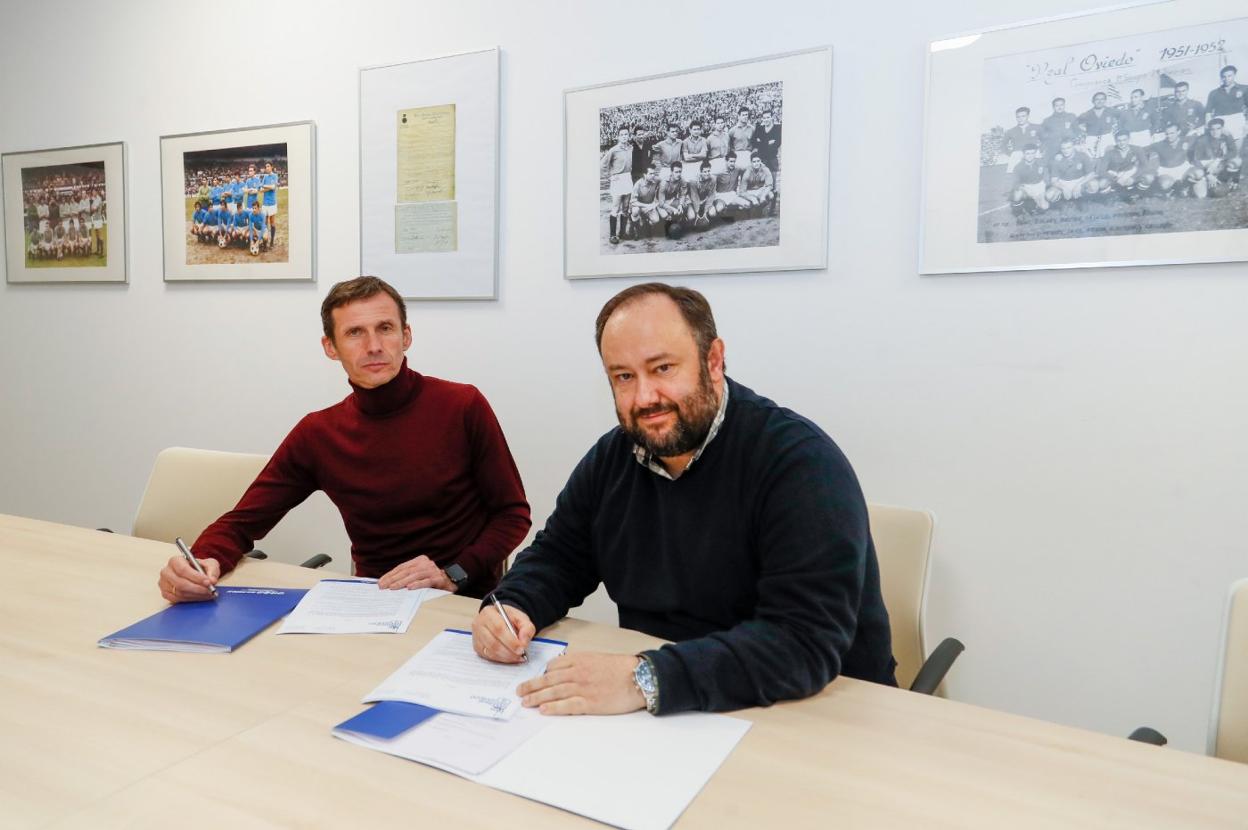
318 561
936 666
1148 735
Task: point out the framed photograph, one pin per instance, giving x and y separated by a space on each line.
65 214
429 176
1109 138
687 173
239 204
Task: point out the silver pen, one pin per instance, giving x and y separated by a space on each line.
511 629
186 554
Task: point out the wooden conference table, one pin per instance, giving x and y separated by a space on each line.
97 738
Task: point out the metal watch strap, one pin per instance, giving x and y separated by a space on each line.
647 682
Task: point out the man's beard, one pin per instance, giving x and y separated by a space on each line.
694 415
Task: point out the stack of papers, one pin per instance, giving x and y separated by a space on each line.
212 626
355 606
449 709
447 675
460 744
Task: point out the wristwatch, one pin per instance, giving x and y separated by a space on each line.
647 683
455 573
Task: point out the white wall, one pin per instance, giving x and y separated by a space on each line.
1078 434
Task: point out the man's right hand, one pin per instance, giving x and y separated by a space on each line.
493 641
179 582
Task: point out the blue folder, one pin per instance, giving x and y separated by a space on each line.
387 719
213 626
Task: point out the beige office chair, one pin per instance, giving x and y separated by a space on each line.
189 489
1228 723
903 543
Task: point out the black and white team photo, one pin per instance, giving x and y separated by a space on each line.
694 172
1136 135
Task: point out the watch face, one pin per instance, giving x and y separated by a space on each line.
457 574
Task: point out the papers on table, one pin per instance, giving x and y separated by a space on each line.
219 625
461 744
449 676
355 606
634 771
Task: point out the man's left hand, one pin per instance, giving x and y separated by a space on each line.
420 572
585 684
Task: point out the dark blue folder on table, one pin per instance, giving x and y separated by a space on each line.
220 625
387 719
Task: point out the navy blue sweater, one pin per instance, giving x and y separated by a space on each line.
757 561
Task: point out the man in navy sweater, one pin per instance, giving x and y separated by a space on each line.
716 519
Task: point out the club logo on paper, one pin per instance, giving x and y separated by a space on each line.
497 705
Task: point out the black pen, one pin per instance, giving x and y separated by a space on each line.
186 554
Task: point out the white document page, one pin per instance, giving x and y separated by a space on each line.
635 771
354 606
457 743
448 675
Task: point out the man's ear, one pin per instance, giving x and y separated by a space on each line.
407 337
715 359
328 346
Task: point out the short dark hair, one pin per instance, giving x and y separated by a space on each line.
695 123
676 164
732 154
1055 100
350 291
705 165
1217 122
1230 67
1182 85
693 307
1023 109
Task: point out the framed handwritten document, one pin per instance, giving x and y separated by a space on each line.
429 176
1109 138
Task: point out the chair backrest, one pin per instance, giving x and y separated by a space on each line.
1228 725
189 489
903 541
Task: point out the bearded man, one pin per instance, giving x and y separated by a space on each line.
716 519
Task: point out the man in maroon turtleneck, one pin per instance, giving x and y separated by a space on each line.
418 467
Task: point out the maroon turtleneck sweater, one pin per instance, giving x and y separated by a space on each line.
416 466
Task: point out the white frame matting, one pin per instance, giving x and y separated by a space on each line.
950 209
807 118
113 155
469 81
300 140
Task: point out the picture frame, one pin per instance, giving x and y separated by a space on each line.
731 220
1050 146
429 175
65 214
226 173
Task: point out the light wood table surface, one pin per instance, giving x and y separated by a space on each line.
99 738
